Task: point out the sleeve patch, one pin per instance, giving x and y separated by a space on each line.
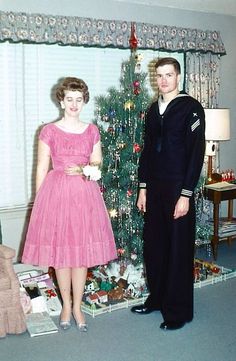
195 125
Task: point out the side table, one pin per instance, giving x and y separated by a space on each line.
216 196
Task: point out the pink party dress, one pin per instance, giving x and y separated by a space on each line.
69 224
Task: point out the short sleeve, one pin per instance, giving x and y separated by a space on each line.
45 135
96 134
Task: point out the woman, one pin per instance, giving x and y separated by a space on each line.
69 228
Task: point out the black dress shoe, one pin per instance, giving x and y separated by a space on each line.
171 325
142 309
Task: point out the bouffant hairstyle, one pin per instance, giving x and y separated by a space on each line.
169 61
72 84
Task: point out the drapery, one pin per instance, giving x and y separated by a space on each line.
73 30
203 77
203 48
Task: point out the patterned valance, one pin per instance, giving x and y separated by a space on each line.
73 30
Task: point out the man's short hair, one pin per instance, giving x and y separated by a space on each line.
169 61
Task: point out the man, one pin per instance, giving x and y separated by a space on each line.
169 169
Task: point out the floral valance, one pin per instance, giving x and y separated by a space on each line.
73 30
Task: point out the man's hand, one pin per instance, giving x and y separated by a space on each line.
141 203
181 207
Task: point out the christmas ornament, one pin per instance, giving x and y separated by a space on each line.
133 41
129 192
112 113
105 118
136 83
137 148
113 213
120 251
133 256
121 129
121 145
137 91
137 68
102 189
138 57
129 105
111 130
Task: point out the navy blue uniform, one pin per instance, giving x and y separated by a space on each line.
170 166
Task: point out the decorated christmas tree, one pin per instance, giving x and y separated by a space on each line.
120 116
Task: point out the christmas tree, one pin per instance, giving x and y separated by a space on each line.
120 117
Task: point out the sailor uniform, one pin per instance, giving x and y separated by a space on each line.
170 166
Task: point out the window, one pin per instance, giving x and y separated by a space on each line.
28 73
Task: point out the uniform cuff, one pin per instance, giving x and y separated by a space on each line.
186 193
142 185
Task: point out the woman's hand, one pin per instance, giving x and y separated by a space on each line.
74 170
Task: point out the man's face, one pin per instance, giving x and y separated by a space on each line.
167 79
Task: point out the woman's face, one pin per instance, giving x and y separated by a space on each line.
73 102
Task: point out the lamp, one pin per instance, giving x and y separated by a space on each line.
217 129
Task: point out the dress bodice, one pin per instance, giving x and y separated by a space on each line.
68 149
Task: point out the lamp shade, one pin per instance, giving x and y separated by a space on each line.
217 124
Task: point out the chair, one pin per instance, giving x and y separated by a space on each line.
12 319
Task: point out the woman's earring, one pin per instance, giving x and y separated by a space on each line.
62 106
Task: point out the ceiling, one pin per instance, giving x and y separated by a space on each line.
227 7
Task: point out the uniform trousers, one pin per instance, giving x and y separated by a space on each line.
169 252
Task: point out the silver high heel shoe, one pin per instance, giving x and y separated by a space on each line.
83 327
65 325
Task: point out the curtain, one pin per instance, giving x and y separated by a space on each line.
73 30
203 77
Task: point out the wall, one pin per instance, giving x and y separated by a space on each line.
108 9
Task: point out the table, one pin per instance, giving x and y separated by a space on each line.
217 196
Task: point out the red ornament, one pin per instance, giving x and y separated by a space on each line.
137 91
136 83
133 41
120 251
102 189
129 192
137 148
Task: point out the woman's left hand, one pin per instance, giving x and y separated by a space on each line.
74 170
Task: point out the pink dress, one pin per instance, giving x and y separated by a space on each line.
69 224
